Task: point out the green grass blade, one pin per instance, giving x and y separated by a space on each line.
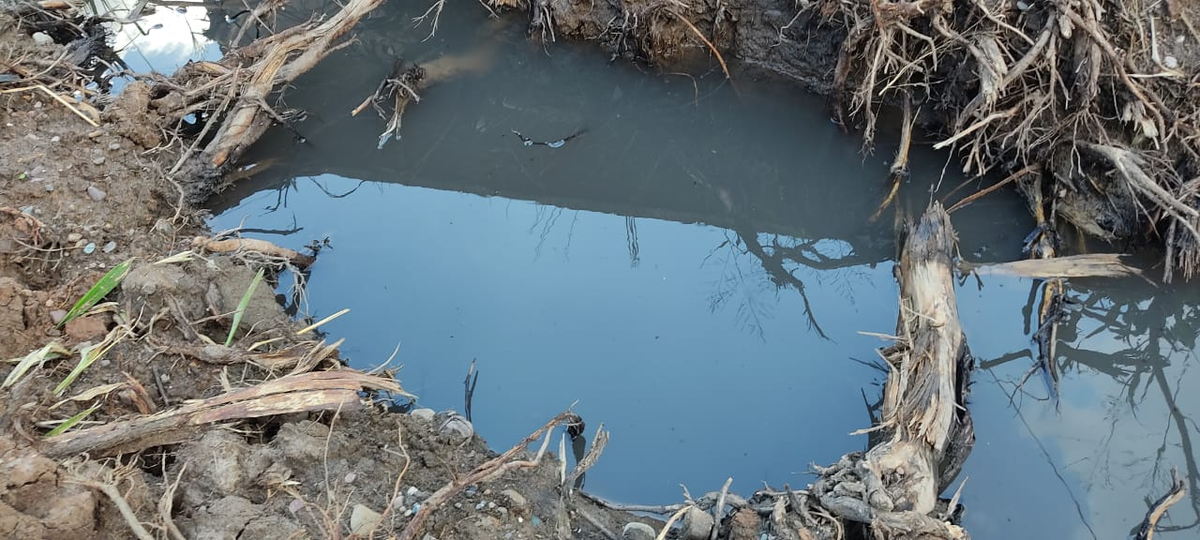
72 421
98 291
87 356
241 308
51 351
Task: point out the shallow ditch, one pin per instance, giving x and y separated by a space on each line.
653 269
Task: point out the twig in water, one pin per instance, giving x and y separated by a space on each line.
899 169
711 47
469 388
1035 169
593 455
1146 532
436 11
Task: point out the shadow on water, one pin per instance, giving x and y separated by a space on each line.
694 269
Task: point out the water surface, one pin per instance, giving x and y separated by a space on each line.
695 271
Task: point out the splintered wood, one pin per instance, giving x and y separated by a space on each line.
315 391
926 429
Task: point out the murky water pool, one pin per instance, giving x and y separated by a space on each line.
694 271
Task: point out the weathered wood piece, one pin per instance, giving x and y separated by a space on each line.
927 433
313 391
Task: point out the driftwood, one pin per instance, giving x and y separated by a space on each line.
1156 511
232 245
1072 266
314 391
894 486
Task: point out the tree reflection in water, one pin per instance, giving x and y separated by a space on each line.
1142 338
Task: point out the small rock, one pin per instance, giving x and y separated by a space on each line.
81 243
1023 6
74 237
89 248
423 414
95 134
458 505
49 187
637 531
55 138
515 500
453 424
215 353
350 477
86 328
491 505
697 524
57 315
95 193
98 160
110 246
429 537
42 38
502 510
114 146
32 136
1170 62
398 502
745 525
295 506
363 520
481 505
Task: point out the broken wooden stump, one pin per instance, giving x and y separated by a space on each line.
926 428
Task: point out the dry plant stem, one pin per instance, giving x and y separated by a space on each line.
1146 532
719 509
492 469
711 47
287 56
899 168
593 455
166 504
114 495
1031 169
1130 166
232 245
662 535
207 125
315 391
399 478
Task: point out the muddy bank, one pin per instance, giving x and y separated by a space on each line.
172 433
1089 108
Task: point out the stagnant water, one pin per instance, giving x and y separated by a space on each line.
694 271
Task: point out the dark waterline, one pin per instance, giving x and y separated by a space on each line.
652 269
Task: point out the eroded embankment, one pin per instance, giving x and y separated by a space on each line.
189 404
1092 108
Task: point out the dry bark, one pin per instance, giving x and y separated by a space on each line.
313 391
894 486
